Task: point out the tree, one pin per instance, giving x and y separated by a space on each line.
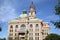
0 26
0 29
57 24
2 38
57 9
52 37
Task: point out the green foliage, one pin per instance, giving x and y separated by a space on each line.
0 29
10 38
2 38
57 24
57 8
52 37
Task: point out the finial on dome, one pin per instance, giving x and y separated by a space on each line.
32 2
32 5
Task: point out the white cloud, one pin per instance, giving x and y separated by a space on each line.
52 17
7 13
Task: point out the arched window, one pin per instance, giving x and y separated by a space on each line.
16 26
31 25
11 26
37 25
23 27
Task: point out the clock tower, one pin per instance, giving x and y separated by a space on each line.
32 12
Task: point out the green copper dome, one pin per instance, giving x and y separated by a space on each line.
24 14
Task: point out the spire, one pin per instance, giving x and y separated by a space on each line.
32 5
32 12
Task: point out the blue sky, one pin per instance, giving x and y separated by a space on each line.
11 9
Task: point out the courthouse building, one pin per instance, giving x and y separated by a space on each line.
28 27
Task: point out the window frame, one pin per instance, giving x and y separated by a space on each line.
37 25
11 26
16 26
31 25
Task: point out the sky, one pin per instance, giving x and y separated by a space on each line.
11 9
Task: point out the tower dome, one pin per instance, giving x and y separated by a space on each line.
24 14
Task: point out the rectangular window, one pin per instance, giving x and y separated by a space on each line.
42 30
16 30
11 30
16 38
30 38
30 34
30 30
15 34
37 30
36 34
45 32
10 34
36 38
